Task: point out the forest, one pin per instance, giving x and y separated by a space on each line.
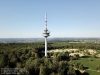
30 56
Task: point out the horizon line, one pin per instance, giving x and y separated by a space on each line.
50 37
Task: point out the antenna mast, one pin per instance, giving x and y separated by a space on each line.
46 21
46 34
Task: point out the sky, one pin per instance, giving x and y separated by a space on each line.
65 18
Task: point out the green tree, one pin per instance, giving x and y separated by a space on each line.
29 65
81 67
3 61
44 70
98 68
71 71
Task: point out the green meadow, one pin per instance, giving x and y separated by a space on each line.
91 63
93 72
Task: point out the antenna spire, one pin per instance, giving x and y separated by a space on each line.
46 20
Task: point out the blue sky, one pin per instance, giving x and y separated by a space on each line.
66 18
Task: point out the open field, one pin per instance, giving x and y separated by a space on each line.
93 72
64 50
88 61
91 64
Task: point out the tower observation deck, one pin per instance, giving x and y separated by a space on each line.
46 34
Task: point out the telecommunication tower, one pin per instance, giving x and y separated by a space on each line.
46 34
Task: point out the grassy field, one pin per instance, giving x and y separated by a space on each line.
91 63
93 72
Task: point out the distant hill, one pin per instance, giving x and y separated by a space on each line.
25 40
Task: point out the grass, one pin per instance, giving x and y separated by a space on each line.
91 63
93 72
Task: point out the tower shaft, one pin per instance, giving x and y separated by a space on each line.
45 46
